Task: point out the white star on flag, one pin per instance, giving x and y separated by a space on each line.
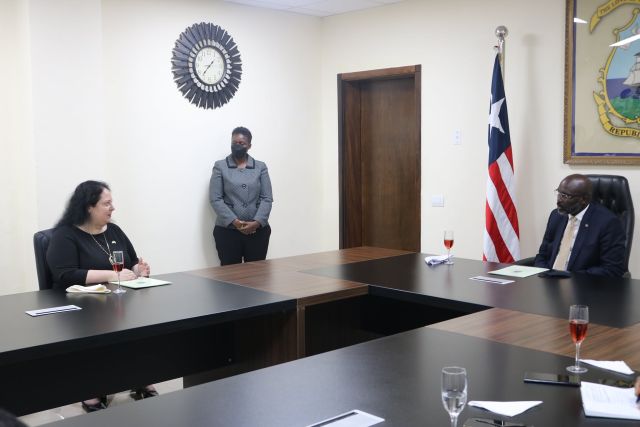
494 115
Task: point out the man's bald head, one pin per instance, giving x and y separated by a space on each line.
574 194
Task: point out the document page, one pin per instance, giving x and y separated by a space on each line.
518 271
142 282
609 402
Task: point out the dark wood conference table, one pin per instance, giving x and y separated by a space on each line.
354 295
118 342
396 378
487 311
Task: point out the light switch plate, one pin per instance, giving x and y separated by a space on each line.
457 137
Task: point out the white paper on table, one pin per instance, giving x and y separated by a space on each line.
355 418
611 365
491 280
52 310
508 409
437 259
609 402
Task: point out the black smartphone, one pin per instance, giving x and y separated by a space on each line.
486 422
558 379
555 273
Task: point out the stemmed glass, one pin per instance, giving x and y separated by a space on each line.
448 243
578 324
454 391
118 265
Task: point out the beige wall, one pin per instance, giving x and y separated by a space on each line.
17 173
453 41
107 108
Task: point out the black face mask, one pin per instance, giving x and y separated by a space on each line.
238 150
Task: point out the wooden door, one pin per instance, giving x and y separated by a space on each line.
379 124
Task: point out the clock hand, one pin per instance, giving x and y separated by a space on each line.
210 64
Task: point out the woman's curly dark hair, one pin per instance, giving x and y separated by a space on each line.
87 194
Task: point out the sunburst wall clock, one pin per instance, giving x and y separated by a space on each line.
206 65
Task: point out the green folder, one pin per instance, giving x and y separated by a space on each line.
518 271
142 282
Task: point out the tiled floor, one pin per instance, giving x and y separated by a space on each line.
75 409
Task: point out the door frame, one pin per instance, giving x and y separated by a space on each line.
349 81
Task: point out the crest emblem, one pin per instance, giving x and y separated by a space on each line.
618 101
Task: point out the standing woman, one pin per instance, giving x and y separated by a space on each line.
81 252
240 194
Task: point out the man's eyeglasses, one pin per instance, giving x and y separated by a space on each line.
565 196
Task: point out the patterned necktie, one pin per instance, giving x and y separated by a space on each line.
565 245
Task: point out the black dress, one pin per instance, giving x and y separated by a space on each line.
73 252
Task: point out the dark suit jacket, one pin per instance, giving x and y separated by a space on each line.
598 248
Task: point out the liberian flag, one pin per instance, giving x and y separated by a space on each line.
501 234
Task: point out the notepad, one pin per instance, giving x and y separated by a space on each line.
518 271
609 402
142 282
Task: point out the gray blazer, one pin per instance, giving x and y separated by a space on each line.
240 193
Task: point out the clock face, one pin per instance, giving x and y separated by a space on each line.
209 65
206 65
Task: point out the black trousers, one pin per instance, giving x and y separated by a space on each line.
233 246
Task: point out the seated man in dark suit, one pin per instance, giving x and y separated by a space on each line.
582 236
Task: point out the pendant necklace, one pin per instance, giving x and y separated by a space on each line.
108 251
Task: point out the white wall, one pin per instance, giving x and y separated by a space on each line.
92 97
104 106
453 41
17 173
169 146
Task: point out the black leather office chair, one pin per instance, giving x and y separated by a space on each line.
611 191
40 245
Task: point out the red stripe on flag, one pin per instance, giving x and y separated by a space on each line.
504 196
504 255
507 153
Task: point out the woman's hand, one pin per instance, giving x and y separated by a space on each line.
102 276
126 274
638 386
250 227
142 268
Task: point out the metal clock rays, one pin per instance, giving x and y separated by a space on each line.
206 65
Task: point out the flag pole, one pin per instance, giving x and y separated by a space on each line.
501 33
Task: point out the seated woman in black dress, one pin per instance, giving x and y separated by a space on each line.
81 248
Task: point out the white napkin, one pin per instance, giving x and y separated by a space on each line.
437 259
95 289
611 365
506 408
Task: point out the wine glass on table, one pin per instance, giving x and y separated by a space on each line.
454 391
118 265
578 324
448 243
